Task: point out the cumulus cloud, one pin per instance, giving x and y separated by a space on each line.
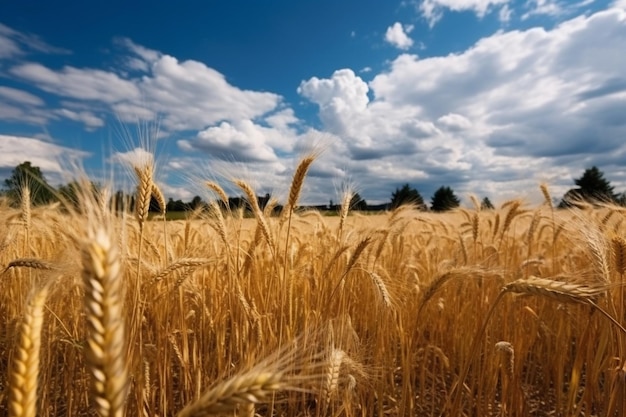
397 35
191 95
433 10
537 98
186 95
339 98
48 156
243 140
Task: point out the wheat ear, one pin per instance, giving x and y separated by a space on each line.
296 185
25 206
345 208
546 195
260 218
557 290
144 193
618 244
159 197
219 191
31 263
105 319
180 263
24 378
331 377
252 387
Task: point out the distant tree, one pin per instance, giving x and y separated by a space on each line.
72 192
177 205
406 195
444 199
196 202
357 203
486 204
592 187
123 202
264 200
27 175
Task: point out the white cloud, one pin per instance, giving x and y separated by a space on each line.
78 83
433 10
244 140
14 43
343 95
516 102
619 4
20 97
553 8
504 15
191 95
397 35
86 117
543 7
187 95
48 156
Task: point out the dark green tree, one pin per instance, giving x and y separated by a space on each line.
592 187
196 203
444 199
357 203
27 175
71 193
406 195
486 204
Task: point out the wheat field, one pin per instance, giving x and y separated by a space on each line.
517 311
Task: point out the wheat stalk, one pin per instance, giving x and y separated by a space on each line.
252 387
103 301
144 192
296 185
25 205
547 198
557 290
331 376
219 191
618 244
24 378
159 197
508 356
345 208
180 263
31 263
254 204
382 288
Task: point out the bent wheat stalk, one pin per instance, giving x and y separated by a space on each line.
249 388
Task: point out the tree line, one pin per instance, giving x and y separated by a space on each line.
591 187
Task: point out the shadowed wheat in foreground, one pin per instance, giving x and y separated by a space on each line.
516 311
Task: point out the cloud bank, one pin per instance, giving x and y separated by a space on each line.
516 108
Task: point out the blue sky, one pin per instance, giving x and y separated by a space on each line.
490 97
